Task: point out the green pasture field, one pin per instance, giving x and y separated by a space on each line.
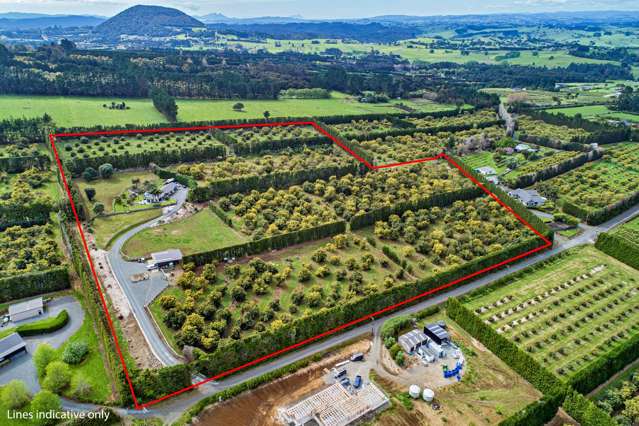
92 368
87 112
105 228
203 231
407 49
596 111
568 313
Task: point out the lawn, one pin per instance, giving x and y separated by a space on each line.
596 111
200 232
91 369
70 111
107 190
567 314
106 228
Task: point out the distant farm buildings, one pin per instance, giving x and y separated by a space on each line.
167 258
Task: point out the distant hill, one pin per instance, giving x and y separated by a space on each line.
148 21
15 22
217 18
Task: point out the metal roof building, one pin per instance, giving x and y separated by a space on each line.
27 309
437 333
11 345
166 258
412 340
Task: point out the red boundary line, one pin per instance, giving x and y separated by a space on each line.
53 137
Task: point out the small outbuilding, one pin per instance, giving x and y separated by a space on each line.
437 333
11 345
27 309
167 258
412 341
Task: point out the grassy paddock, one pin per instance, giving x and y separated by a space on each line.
203 231
70 111
106 228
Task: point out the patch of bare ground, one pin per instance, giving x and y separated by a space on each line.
138 348
561 419
489 391
259 407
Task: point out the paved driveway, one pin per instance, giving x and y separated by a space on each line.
21 367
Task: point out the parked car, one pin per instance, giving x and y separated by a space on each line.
345 382
357 357
339 373
357 382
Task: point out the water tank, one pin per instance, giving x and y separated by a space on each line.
414 391
428 395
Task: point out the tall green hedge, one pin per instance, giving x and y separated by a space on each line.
20 164
242 148
428 130
34 283
537 413
150 384
598 216
170 174
585 411
47 325
613 244
266 244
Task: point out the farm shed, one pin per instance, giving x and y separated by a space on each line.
412 341
162 259
437 333
27 309
11 345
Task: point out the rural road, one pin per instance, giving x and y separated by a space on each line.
172 408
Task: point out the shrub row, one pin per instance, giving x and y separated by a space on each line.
599 133
47 325
221 214
35 212
150 384
238 352
279 179
241 148
343 119
429 130
265 244
20 164
537 413
22 130
572 163
598 216
585 412
553 143
436 200
351 146
619 248
34 283
160 156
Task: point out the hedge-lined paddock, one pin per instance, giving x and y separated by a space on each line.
237 352
34 283
137 151
527 179
150 384
271 243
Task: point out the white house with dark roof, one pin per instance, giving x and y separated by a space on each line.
486 171
169 188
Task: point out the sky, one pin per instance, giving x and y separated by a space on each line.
319 9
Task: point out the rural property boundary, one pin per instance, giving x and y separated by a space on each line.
444 156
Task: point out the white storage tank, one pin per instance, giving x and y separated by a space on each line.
428 395
414 391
